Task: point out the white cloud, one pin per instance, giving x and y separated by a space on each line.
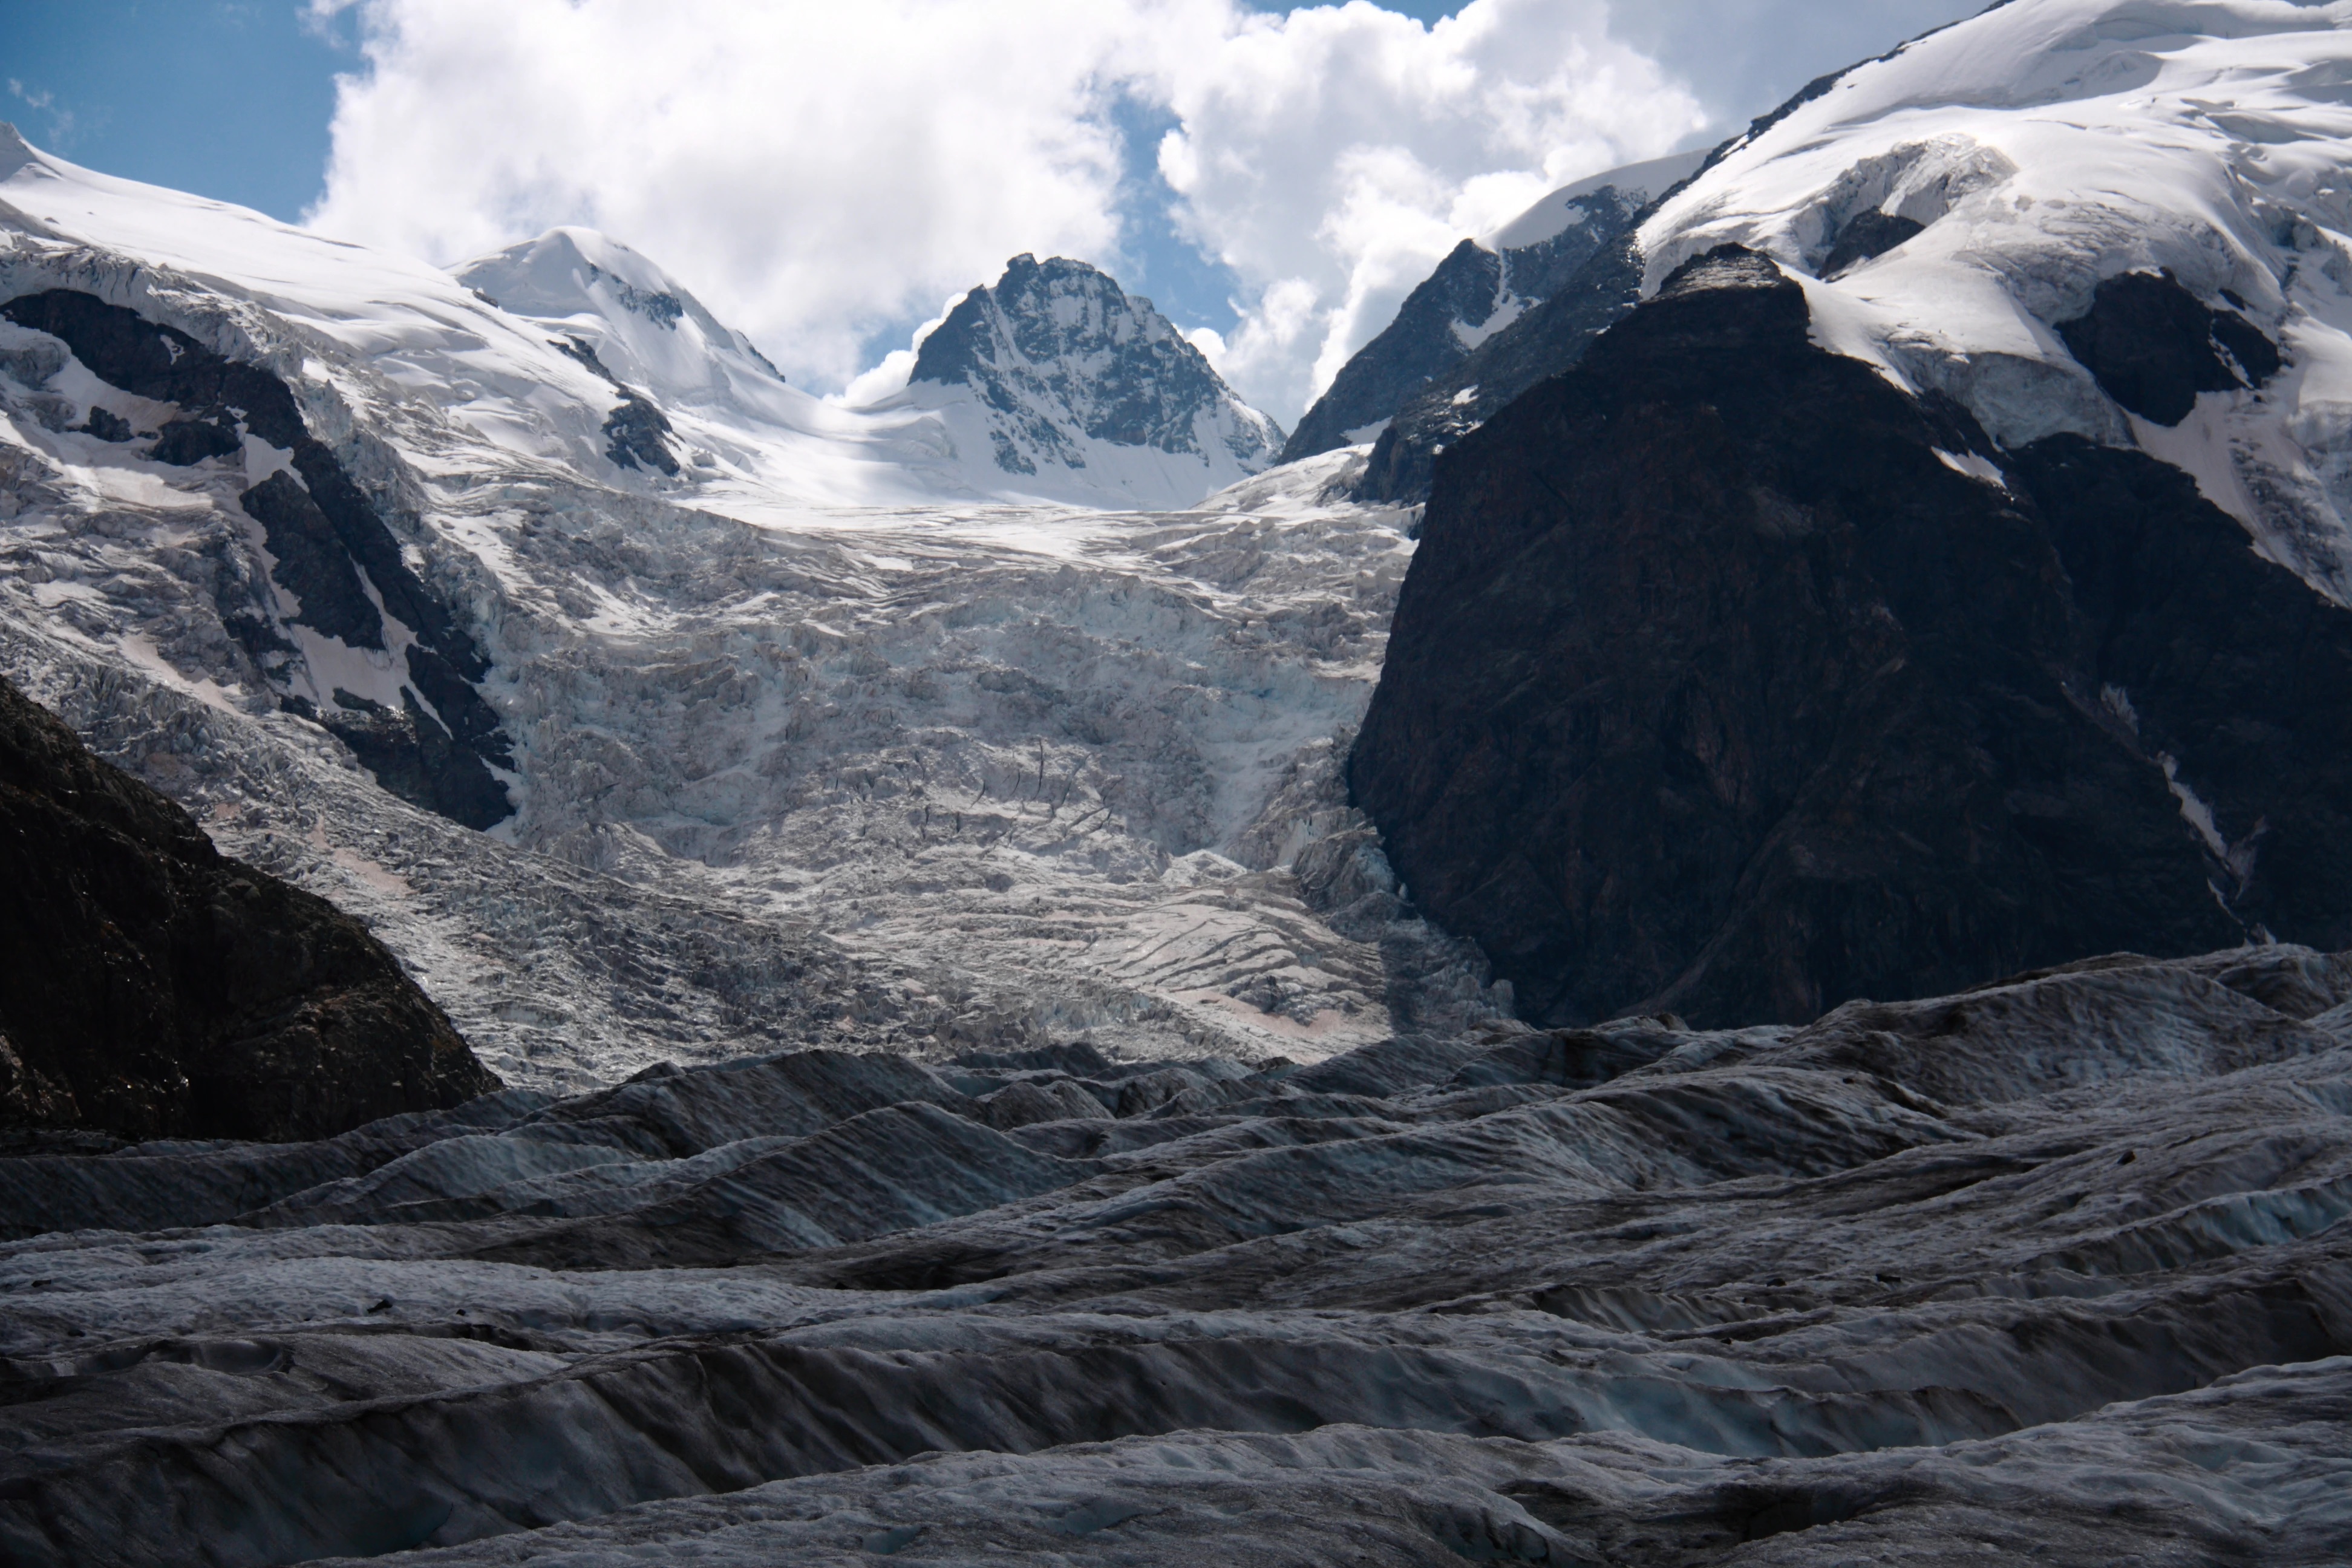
1331 157
818 171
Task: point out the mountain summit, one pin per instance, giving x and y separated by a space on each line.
1072 372
643 325
1481 288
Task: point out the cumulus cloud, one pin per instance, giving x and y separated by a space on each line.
810 170
818 171
1331 157
821 173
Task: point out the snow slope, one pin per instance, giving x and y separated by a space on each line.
2045 146
1570 205
741 433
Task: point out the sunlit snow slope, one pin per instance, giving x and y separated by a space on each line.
1954 208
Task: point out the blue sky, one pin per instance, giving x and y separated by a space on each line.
227 99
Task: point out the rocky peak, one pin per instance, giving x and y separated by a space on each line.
1065 360
1482 287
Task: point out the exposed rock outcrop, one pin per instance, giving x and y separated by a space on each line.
1480 291
1544 341
1732 679
150 987
332 551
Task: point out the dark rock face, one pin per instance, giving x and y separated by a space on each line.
1426 340
1056 349
1866 236
330 543
1545 341
1715 688
415 756
637 433
2154 346
150 987
634 435
661 307
1419 343
311 563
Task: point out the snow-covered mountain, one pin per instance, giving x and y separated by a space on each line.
645 327
1952 206
338 552
978 1086
2010 363
1481 288
1076 389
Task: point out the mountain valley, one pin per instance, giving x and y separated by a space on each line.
1699 924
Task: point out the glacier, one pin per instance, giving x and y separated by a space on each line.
860 758
2012 163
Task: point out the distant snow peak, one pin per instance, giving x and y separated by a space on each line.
645 325
1066 363
15 151
1482 288
1571 205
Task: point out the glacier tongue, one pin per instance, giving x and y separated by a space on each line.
2051 1270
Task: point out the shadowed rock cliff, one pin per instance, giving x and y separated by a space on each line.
1732 679
150 987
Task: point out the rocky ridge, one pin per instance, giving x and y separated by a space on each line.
1479 290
